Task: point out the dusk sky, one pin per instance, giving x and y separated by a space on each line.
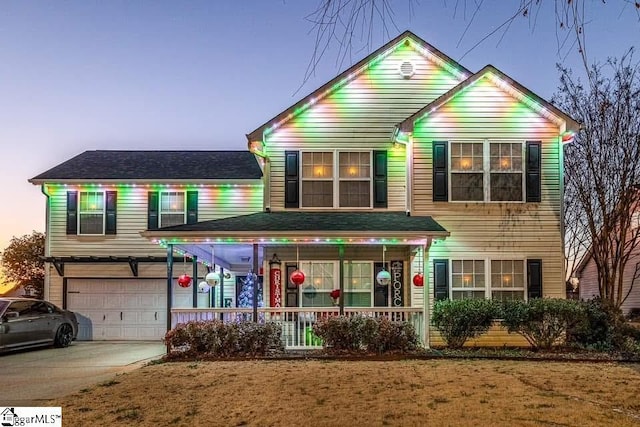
84 75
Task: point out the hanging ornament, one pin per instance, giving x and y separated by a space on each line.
335 296
184 280
418 279
297 277
203 287
383 277
212 278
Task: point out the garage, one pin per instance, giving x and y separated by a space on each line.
119 309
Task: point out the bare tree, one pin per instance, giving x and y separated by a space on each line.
602 170
343 21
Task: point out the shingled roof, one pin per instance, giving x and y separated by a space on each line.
268 224
154 165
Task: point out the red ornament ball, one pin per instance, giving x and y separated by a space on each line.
335 293
297 277
418 280
184 280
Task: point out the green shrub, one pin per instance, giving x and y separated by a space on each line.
217 339
542 321
357 333
459 320
602 327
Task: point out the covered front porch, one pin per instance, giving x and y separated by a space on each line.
342 269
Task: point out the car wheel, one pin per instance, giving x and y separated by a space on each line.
64 336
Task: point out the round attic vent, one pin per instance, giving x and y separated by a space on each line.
407 69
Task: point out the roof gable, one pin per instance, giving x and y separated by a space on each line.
405 39
502 81
110 165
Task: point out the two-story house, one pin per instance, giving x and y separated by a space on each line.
405 179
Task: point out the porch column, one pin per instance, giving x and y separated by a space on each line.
221 285
255 286
427 292
194 275
169 283
341 278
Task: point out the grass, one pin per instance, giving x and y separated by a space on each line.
371 393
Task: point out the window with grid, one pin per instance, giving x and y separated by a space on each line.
358 283
468 279
172 208
467 171
355 179
506 171
319 282
345 173
317 179
91 212
487 171
507 280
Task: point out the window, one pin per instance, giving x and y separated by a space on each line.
358 283
347 174
506 171
91 212
467 279
319 282
172 208
487 171
505 279
321 277
355 183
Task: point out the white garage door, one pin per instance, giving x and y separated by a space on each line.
119 309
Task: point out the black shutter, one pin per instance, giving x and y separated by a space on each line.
72 212
380 179
441 278
111 207
534 278
152 209
533 185
192 207
291 180
440 172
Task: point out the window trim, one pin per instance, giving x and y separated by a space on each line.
486 169
488 289
81 213
161 212
336 180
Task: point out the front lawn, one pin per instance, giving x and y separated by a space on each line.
364 393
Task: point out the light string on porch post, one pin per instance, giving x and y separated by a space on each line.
297 276
383 277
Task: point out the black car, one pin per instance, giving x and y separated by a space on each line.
28 322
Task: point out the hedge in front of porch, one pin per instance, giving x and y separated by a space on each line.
360 333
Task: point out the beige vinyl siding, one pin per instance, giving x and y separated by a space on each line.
361 116
213 203
493 230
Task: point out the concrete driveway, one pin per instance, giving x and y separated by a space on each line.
29 377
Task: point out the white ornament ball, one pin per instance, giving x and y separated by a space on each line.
212 278
203 287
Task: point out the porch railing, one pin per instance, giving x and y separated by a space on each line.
297 323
